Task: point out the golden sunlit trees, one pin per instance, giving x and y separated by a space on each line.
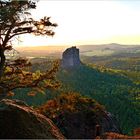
17 75
15 19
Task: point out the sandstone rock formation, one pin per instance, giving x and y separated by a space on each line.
112 135
17 120
78 117
70 57
85 125
109 123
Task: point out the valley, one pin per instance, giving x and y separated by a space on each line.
113 80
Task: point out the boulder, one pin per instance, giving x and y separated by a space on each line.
19 121
70 58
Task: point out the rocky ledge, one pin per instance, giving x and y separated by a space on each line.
18 120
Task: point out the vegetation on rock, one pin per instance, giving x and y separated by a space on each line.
77 116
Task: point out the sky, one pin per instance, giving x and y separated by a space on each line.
88 22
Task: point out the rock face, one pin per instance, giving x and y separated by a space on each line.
109 123
112 135
17 120
79 117
80 125
70 57
85 125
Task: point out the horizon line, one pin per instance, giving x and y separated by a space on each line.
64 45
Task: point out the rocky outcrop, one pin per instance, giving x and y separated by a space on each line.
79 117
109 123
79 125
86 125
18 120
70 58
112 135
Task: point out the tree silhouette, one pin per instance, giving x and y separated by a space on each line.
15 19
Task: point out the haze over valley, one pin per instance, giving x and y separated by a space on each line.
85 50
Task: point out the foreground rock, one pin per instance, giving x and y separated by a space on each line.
109 123
79 117
17 120
112 135
85 124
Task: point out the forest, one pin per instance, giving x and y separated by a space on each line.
117 90
98 92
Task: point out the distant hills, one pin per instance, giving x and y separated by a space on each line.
41 51
108 49
110 46
86 50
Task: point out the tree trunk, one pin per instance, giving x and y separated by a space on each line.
3 92
2 62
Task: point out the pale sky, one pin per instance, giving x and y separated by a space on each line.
88 22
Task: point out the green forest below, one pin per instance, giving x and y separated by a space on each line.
118 90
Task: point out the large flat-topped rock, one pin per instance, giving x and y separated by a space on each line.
70 57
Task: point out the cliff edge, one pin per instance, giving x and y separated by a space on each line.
18 120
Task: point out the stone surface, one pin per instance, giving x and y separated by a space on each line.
85 125
70 57
79 117
112 135
109 123
17 120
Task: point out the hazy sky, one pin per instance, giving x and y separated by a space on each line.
89 22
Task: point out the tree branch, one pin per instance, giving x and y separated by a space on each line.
6 39
18 34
